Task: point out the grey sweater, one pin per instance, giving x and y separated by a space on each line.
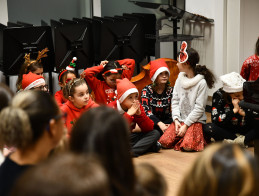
189 99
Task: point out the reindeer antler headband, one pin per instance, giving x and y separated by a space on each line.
41 54
183 56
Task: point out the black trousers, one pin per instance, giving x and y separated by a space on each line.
143 142
211 130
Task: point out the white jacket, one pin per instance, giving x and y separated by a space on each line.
190 99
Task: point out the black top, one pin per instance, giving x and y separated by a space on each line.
222 114
9 172
157 106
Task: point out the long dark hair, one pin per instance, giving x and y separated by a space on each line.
193 61
104 132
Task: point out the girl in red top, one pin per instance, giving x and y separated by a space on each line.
104 85
64 75
79 101
250 68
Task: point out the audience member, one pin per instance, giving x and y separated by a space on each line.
103 132
32 129
222 169
64 175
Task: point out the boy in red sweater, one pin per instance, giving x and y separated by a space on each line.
102 78
143 137
79 101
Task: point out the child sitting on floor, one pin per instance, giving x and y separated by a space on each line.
143 136
188 103
79 101
104 84
64 75
156 97
230 123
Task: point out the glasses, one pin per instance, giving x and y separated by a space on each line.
42 88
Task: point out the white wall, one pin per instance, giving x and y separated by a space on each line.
233 35
212 46
3 12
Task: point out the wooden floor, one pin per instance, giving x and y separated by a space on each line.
172 164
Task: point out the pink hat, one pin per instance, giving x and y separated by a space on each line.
124 89
156 67
31 80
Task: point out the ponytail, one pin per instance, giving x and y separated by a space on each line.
193 61
15 129
208 75
24 122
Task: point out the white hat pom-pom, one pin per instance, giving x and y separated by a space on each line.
74 58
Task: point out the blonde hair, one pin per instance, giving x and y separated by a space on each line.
150 182
24 121
222 170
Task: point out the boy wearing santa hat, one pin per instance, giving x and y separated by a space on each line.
143 137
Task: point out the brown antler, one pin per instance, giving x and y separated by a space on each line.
42 54
27 58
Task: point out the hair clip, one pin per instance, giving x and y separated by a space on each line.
183 56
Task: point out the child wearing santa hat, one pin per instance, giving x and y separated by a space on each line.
230 122
156 97
143 136
33 81
188 103
63 77
31 65
78 101
102 78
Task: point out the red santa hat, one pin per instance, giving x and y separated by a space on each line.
31 80
72 65
124 89
232 82
156 67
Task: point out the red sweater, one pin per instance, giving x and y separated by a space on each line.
60 99
74 113
143 121
250 68
103 93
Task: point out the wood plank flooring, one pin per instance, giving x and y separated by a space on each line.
172 164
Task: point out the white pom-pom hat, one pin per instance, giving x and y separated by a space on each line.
232 82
